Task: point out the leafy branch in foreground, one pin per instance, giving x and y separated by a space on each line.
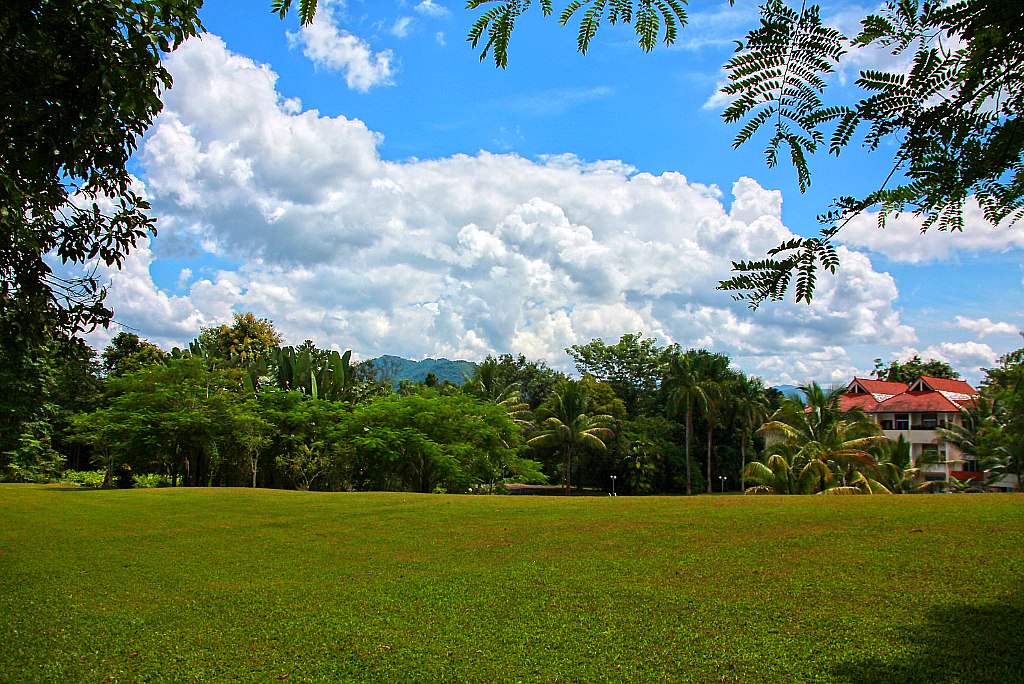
770 278
650 19
779 78
955 114
80 82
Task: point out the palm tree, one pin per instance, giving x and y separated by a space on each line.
1008 459
719 378
895 471
782 474
824 441
977 422
750 409
488 385
690 384
568 427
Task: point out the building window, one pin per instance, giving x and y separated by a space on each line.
931 453
902 421
929 421
887 424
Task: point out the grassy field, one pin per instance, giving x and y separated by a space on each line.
239 585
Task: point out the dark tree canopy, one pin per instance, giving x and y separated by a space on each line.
80 81
128 353
910 370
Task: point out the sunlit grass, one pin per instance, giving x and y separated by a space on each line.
221 585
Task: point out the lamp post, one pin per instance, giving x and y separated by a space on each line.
614 477
721 480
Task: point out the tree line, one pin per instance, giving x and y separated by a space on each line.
236 408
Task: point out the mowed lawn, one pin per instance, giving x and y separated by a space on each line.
241 585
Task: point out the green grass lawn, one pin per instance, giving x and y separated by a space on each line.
240 585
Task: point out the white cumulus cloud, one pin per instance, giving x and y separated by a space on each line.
431 8
984 327
329 46
901 240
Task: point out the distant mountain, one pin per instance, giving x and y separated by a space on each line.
790 391
416 371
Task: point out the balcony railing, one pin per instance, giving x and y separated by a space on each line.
890 425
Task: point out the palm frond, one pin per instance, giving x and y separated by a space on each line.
841 491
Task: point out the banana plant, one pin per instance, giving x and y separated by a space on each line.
320 374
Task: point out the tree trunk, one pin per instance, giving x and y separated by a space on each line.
567 471
743 461
689 429
709 457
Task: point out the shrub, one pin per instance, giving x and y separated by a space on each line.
84 478
152 480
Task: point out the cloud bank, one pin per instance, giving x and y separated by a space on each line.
460 256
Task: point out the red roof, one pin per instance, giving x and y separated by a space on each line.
881 386
867 402
944 385
933 395
917 402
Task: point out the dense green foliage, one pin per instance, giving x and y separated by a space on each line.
44 386
570 425
1001 433
246 339
913 368
632 367
128 353
654 418
243 585
80 82
817 448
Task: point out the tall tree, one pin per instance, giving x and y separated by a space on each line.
1004 384
750 408
568 427
691 383
533 380
80 82
488 384
633 366
246 339
128 353
42 390
719 379
978 431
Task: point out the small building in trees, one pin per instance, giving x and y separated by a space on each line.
915 412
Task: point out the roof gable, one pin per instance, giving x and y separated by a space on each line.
944 385
879 389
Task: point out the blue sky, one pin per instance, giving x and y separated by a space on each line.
368 183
